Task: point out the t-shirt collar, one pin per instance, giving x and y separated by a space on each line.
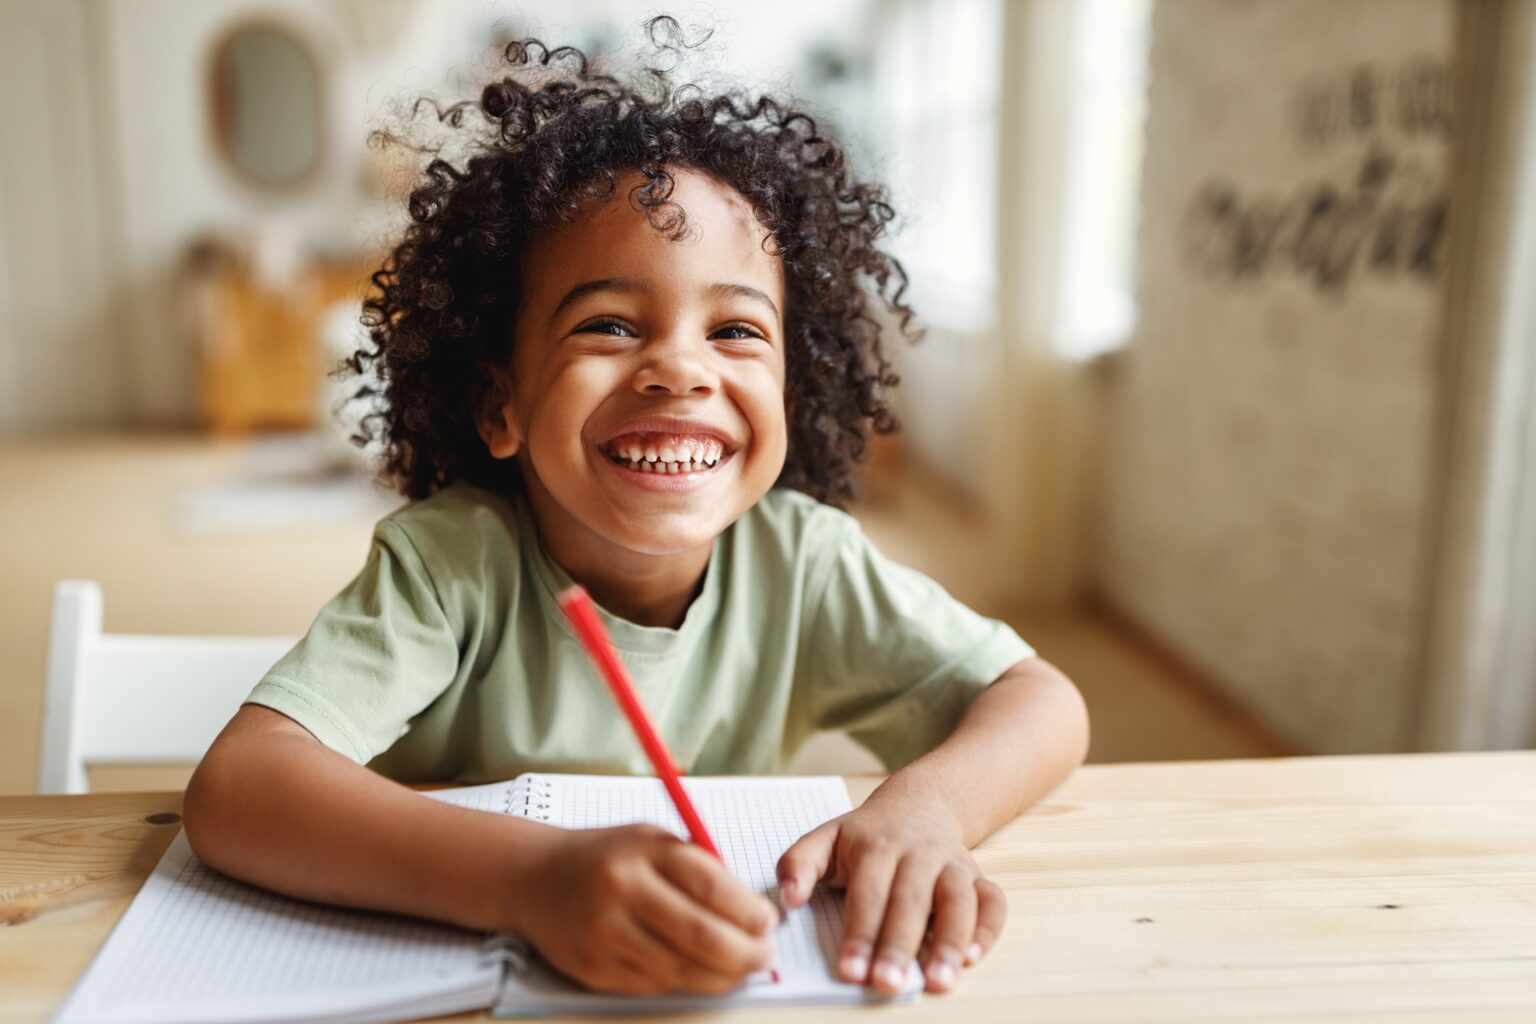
629 637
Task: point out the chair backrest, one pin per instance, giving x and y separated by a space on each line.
136 699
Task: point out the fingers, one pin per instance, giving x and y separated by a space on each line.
705 880
955 899
653 914
632 962
641 952
628 974
906 919
804 863
888 915
868 891
643 964
713 951
693 978
697 975
991 914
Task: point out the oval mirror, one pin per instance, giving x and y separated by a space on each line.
265 105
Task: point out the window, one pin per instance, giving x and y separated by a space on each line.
936 81
1107 98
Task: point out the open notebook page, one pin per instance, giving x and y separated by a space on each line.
753 821
196 946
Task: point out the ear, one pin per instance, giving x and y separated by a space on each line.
496 415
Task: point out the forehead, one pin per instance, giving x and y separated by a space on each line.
724 242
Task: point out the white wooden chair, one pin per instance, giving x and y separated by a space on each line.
129 699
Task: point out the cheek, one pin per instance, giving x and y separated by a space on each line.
769 410
566 399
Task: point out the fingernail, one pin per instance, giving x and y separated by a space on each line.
941 974
787 889
854 968
973 954
889 974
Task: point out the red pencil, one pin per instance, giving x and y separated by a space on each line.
579 609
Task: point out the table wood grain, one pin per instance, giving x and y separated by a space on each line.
1396 888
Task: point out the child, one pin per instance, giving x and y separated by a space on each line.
630 342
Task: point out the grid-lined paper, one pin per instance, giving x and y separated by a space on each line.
215 936
753 821
197 945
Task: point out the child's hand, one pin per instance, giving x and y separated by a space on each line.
898 866
636 910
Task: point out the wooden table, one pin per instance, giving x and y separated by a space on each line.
1357 888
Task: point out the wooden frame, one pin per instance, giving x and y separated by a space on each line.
1479 684
217 103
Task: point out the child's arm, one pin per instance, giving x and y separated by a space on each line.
631 909
906 850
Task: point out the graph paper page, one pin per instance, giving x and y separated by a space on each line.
753 821
196 945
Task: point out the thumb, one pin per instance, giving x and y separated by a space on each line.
804 863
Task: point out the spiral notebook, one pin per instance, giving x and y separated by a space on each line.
196 946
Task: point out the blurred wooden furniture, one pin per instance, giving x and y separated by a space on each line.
136 699
262 362
1391 888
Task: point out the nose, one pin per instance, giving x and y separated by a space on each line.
677 363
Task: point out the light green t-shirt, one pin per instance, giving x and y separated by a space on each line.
448 659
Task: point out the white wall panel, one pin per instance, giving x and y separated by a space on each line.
1271 451
58 366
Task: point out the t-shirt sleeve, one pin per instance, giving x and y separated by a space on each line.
376 656
891 658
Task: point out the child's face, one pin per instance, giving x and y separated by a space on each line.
646 400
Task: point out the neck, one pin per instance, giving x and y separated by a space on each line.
659 599
648 590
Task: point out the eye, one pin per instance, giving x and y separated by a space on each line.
608 328
737 332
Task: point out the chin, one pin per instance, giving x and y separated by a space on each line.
664 536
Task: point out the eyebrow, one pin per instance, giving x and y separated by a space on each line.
630 285
745 292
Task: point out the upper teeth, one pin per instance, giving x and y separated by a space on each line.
703 451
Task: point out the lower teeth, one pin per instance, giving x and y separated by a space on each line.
664 468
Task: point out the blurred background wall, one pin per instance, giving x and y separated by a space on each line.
1312 482
114 103
1229 354
1267 492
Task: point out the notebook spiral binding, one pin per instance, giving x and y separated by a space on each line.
509 951
530 797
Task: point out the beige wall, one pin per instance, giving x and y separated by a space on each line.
55 246
1270 453
167 182
171 184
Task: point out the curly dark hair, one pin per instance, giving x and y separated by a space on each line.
556 133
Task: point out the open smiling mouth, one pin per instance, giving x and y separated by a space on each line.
666 454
